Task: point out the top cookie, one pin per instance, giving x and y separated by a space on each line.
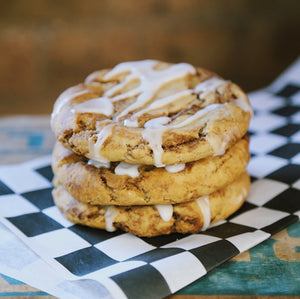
151 112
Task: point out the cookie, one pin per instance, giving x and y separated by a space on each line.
152 113
126 184
154 220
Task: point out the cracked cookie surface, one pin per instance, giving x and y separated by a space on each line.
147 185
147 221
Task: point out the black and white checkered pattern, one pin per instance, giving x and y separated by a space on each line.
156 267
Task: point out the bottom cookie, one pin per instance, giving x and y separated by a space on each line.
149 221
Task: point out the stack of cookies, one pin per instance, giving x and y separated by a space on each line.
151 148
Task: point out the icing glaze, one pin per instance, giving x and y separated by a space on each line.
219 142
131 123
196 116
159 103
241 197
147 83
127 169
175 168
156 123
153 135
132 169
63 99
154 138
203 203
99 164
151 81
208 86
109 216
98 105
165 211
155 130
243 104
95 148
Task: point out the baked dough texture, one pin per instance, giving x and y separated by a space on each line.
151 112
151 148
154 185
145 221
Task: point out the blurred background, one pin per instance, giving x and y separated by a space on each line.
49 45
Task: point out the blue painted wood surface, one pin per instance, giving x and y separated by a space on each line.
266 273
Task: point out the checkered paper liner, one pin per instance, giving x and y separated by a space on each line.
133 267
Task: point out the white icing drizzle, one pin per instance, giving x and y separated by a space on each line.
155 130
127 169
99 164
208 86
165 211
96 148
132 169
109 216
219 142
131 123
151 81
243 104
153 135
99 105
159 103
212 84
242 196
154 139
239 198
63 99
175 168
112 91
133 120
196 116
157 122
203 203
